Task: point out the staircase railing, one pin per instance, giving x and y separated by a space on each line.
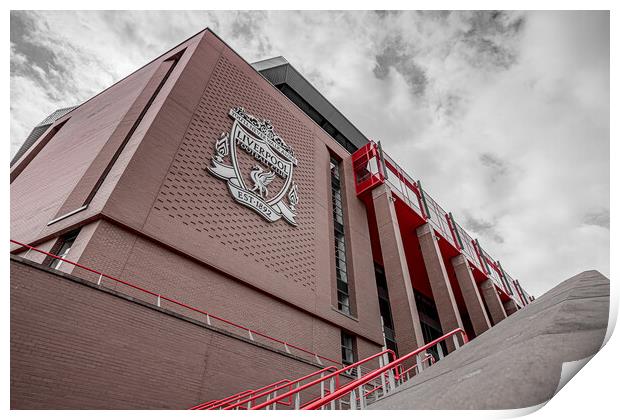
332 380
354 389
199 314
271 393
233 399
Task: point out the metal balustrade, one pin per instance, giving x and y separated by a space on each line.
400 181
438 218
351 387
387 170
355 395
292 396
270 393
306 393
199 314
233 399
468 247
496 273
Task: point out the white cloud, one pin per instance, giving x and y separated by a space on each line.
504 117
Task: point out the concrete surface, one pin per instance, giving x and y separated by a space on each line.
518 362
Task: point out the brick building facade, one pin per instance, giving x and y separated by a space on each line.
359 258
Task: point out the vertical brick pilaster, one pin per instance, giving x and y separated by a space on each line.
511 307
494 304
443 295
469 289
404 310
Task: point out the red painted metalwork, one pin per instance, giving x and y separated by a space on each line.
367 168
319 381
483 264
453 231
520 292
426 208
455 241
346 389
428 357
268 390
289 394
406 185
176 302
238 396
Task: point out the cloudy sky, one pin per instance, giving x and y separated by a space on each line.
503 116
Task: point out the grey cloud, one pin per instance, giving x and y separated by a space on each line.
50 62
435 14
246 26
37 56
449 103
599 218
394 56
486 35
482 227
475 123
125 28
387 13
497 166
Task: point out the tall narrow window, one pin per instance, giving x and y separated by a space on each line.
348 348
342 283
385 309
65 246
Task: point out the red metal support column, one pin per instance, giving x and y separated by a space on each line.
404 310
448 312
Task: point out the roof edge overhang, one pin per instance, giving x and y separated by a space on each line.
280 72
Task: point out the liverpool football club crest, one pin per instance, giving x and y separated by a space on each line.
259 174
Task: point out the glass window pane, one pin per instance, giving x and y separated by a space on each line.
340 249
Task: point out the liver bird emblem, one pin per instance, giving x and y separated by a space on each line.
261 180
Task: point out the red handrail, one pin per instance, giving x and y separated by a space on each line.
402 373
430 356
237 396
318 381
372 375
280 397
176 302
207 404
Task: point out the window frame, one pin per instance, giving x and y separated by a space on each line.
63 246
341 257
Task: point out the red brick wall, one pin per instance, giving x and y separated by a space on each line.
270 276
76 347
46 176
167 194
39 191
140 261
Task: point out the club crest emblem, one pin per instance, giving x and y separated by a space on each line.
259 174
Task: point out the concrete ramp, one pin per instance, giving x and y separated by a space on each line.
518 362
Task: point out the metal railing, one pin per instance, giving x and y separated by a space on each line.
271 393
354 390
423 204
209 317
501 279
400 181
332 380
233 399
438 218
372 383
468 247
